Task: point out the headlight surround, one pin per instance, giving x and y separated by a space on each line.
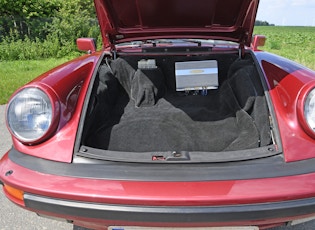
30 115
306 110
309 110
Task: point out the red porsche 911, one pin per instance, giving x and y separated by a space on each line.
178 122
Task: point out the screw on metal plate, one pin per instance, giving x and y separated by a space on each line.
176 154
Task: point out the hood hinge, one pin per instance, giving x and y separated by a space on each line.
241 51
242 45
114 52
112 46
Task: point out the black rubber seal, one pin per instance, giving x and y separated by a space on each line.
271 167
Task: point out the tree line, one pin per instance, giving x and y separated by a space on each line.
48 27
263 23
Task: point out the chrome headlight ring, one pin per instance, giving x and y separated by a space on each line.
32 115
306 110
309 110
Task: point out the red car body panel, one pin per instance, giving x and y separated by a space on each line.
70 82
288 86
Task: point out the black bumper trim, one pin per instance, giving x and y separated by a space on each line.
172 214
271 167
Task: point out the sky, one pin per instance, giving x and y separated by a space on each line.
287 12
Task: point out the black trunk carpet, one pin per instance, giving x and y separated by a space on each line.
180 123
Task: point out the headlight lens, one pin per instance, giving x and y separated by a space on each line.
309 110
29 114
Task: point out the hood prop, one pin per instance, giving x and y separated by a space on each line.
241 51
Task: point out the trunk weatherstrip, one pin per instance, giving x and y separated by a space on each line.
270 167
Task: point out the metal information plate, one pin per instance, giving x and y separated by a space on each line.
196 75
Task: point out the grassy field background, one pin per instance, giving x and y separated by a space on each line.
295 43
14 74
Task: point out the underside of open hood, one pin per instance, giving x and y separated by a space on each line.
123 21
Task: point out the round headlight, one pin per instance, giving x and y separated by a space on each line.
309 110
29 114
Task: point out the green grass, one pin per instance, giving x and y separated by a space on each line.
14 74
294 43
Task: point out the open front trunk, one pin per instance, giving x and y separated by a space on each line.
141 110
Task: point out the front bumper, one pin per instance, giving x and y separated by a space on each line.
246 213
105 202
